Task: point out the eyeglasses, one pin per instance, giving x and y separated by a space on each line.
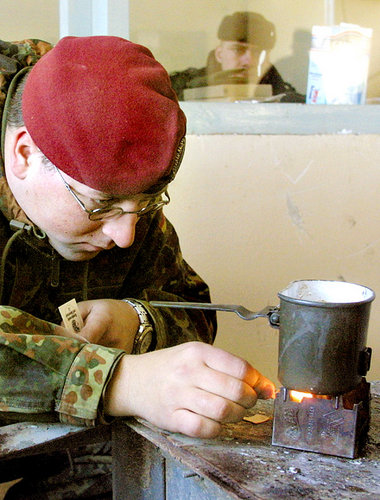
108 212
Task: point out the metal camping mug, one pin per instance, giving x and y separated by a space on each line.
322 333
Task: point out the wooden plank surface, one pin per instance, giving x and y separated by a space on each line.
244 464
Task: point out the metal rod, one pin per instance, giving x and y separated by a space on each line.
329 12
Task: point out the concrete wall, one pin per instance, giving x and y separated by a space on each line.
257 212
22 19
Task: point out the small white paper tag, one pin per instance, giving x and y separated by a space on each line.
71 316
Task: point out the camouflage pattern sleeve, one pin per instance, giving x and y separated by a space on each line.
17 55
14 56
44 376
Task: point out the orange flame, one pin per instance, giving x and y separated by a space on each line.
297 396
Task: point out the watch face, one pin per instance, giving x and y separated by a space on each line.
146 341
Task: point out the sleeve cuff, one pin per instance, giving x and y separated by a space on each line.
86 379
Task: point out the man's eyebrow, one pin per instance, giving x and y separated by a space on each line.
110 198
107 197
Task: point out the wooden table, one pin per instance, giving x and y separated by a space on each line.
153 464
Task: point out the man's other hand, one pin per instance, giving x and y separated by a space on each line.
192 388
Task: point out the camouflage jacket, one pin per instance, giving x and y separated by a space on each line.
44 376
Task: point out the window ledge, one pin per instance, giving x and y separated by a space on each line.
280 118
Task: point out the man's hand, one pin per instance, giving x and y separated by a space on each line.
191 388
109 322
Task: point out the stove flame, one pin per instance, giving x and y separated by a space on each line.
297 396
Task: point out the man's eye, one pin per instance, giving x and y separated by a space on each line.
94 204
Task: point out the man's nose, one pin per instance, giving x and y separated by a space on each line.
247 58
121 229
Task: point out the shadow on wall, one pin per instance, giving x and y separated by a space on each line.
295 67
373 89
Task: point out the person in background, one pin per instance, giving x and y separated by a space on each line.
242 56
92 135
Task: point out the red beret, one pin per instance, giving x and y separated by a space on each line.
103 111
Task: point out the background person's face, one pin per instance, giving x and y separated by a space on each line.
240 55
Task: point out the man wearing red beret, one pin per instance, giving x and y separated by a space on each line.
92 135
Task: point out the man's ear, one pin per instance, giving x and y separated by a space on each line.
19 147
218 52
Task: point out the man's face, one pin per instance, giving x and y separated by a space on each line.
41 193
240 55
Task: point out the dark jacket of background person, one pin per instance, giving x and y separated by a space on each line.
200 77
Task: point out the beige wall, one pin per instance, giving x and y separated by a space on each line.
257 212
29 19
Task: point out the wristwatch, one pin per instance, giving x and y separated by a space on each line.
144 336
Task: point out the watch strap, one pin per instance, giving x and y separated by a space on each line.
144 336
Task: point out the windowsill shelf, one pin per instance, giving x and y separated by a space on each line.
280 118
